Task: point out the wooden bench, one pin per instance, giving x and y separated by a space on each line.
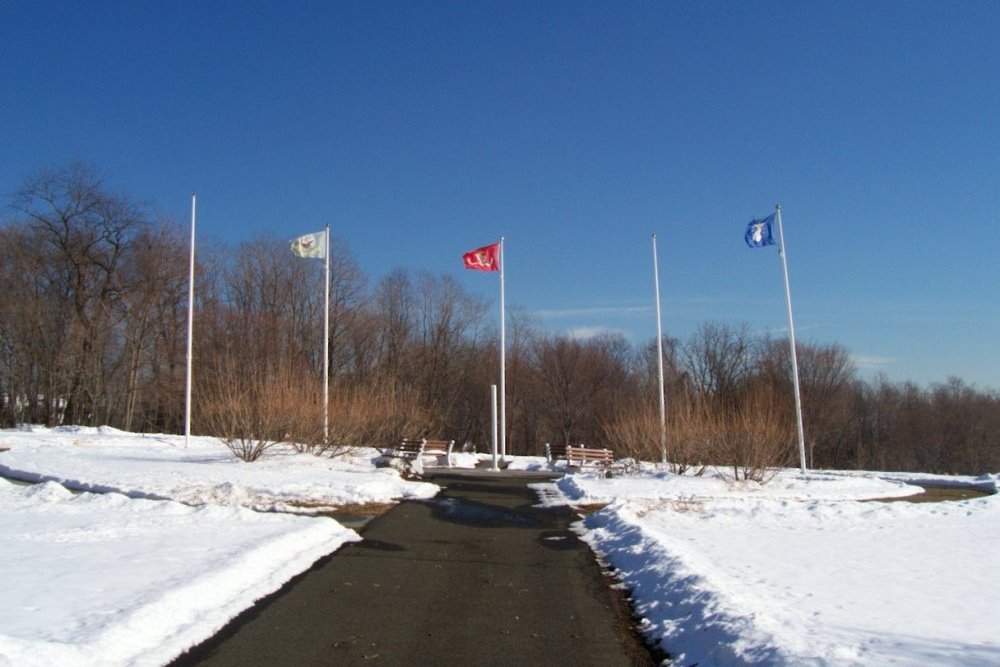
417 448
553 452
581 456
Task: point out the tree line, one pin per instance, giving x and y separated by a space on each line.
93 312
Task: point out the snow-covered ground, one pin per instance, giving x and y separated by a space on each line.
122 579
799 572
160 466
795 572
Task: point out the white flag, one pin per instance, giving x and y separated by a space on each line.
310 245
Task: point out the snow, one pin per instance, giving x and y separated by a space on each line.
797 571
160 466
108 579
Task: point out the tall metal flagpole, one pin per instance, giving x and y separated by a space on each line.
190 335
493 423
503 362
326 341
659 357
791 340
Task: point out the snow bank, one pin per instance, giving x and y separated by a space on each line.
751 581
107 580
160 466
592 487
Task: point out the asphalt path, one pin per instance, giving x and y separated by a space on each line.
476 576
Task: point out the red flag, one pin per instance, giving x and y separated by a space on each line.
486 258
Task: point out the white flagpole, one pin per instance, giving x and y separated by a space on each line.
659 357
493 423
190 335
326 342
503 362
791 340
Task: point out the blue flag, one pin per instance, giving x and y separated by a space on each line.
759 232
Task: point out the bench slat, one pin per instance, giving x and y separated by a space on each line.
579 454
589 455
410 448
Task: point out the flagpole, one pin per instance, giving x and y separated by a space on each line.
190 334
791 340
493 423
503 362
659 357
326 342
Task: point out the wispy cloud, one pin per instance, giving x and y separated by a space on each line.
586 333
561 313
872 363
783 331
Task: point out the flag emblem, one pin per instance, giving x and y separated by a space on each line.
486 258
758 232
310 245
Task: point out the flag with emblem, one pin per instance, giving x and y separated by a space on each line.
758 232
486 258
310 245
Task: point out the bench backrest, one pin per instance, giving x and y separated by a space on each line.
438 446
553 452
410 446
589 455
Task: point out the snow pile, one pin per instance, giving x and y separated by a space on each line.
107 580
132 578
160 466
592 487
795 575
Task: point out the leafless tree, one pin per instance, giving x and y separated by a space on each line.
718 359
81 234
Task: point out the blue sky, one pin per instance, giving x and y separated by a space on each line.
421 130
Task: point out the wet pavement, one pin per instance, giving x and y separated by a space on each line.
477 575
939 493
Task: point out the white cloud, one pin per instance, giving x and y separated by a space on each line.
558 313
586 333
871 362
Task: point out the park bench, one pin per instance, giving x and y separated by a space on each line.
579 455
417 448
553 452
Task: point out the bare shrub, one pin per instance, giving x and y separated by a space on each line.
238 408
373 416
299 403
634 432
690 431
754 438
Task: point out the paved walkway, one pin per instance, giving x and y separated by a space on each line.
476 576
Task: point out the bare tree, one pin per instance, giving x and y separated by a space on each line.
83 233
718 360
827 377
577 382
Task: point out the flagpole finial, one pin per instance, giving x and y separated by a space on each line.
654 235
777 207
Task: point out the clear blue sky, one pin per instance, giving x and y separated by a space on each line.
420 130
